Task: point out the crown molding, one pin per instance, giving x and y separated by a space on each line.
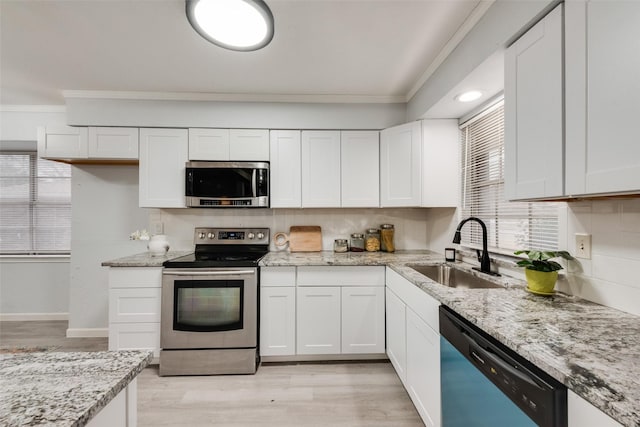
33 108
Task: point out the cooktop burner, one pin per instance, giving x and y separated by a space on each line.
225 247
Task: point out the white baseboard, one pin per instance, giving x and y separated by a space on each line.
87 332
21 317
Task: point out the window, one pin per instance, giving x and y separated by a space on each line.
35 205
510 225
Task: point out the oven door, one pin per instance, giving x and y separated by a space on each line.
206 309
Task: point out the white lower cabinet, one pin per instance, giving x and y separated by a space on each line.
397 333
322 311
583 414
423 368
413 344
134 308
318 320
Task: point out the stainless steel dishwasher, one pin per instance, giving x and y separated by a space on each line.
485 384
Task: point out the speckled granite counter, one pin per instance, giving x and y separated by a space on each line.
590 348
63 389
144 259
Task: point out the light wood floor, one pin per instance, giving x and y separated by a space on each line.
318 394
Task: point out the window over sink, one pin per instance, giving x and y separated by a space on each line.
510 225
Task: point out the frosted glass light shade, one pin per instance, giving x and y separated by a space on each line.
243 25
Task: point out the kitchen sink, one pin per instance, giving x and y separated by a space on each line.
454 278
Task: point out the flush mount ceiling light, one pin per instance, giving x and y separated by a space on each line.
243 25
469 96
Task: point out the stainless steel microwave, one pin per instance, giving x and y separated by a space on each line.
227 184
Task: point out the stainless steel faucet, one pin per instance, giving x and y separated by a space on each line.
485 264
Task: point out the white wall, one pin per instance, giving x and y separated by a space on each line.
34 289
410 226
104 211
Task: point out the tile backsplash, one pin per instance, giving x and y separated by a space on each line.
410 224
611 276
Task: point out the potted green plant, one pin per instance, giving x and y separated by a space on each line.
541 272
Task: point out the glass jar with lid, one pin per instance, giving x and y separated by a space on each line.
386 237
372 240
340 245
357 242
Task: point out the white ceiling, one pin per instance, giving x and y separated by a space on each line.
348 50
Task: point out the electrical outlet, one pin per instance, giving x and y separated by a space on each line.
157 227
583 246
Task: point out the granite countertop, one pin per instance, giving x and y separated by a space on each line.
590 348
63 389
144 259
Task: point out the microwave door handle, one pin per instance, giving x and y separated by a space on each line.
254 186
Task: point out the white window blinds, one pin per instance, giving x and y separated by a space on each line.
510 225
35 205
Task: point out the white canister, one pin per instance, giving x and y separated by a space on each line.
158 245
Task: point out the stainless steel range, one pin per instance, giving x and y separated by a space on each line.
209 317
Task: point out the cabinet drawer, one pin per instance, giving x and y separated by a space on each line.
135 336
422 304
134 305
135 277
277 276
341 276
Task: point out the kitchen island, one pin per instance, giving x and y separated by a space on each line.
70 389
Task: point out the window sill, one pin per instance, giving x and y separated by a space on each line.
7 258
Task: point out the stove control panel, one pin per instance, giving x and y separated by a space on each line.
231 236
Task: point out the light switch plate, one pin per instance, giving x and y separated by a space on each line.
157 227
583 246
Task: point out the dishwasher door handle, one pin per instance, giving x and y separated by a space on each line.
479 354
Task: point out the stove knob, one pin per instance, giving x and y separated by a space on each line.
250 236
211 235
260 236
201 235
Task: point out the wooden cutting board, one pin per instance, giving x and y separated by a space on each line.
305 238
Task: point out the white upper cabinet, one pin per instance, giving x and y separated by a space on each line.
113 143
229 144
208 144
602 69
163 154
360 169
285 169
534 131
400 160
440 163
249 144
63 142
321 169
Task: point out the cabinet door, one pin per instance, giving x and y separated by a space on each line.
602 68
320 169
286 172
360 171
135 336
363 319
113 143
63 142
581 413
249 144
318 320
533 105
396 334
400 170
440 163
134 305
208 144
423 368
277 321
163 154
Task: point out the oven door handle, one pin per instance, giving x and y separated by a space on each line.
209 273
